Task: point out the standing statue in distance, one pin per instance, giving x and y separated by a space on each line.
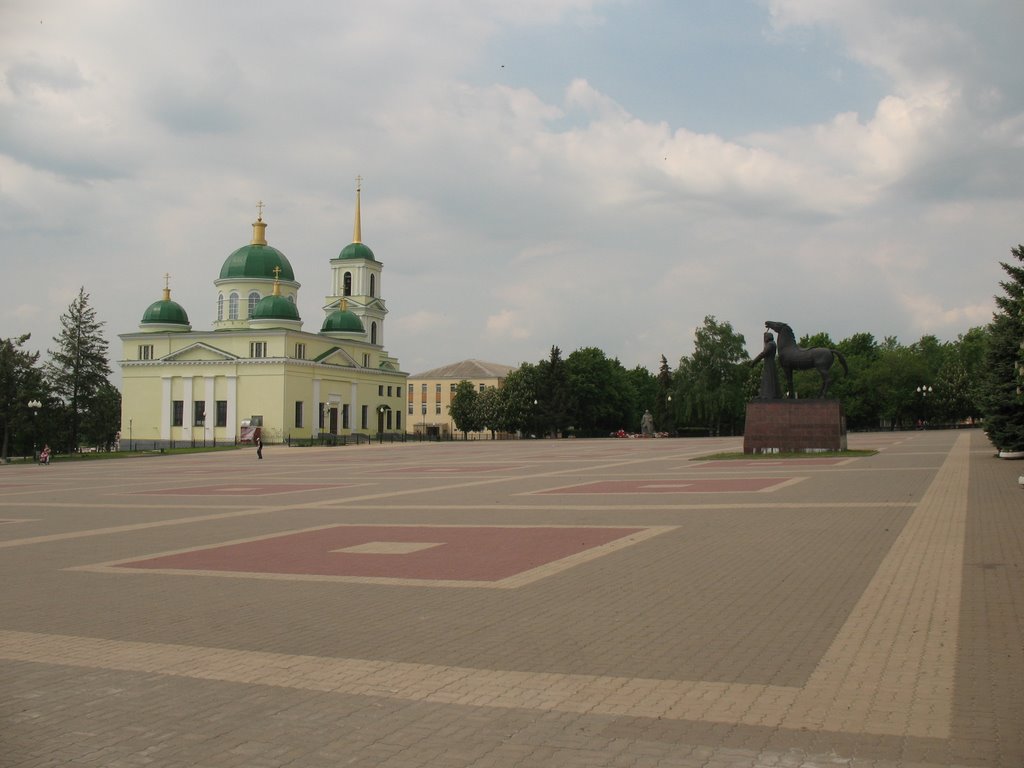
647 424
794 358
769 374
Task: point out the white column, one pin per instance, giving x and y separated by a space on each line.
233 406
317 409
210 408
165 408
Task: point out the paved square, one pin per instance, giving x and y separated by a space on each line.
696 485
436 555
399 606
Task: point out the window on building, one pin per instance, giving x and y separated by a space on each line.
423 392
365 416
380 390
366 360
257 349
411 392
345 418
437 390
254 299
373 333
373 285
347 284
410 407
454 387
233 306
389 391
199 413
483 387
300 351
177 413
298 414
145 351
222 413
220 307
398 421
437 409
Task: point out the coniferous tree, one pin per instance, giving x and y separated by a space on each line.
20 382
555 394
78 369
1002 401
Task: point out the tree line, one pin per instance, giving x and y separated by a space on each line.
68 400
978 377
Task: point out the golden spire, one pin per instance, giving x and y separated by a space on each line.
167 286
277 281
343 305
259 227
357 234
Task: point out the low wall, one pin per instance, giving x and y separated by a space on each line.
779 426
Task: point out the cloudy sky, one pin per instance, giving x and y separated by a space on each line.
537 172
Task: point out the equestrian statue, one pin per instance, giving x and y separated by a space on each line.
794 358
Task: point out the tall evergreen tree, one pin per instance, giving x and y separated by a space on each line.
20 382
1002 401
555 399
78 369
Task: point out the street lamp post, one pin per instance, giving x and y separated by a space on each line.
924 391
423 410
35 405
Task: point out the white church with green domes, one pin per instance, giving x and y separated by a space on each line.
257 368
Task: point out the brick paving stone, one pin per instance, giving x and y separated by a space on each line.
868 614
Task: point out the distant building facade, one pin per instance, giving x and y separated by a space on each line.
430 393
257 368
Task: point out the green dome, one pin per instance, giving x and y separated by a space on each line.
275 308
255 260
165 312
356 251
342 321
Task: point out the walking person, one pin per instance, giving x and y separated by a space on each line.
259 446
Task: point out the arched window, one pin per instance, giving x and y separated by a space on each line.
347 285
233 306
254 299
220 307
372 284
373 333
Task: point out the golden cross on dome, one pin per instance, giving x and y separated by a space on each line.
259 210
359 183
277 273
167 280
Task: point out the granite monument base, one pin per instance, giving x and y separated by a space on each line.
794 426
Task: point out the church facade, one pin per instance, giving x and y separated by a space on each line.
256 368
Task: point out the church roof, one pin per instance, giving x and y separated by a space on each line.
257 259
468 370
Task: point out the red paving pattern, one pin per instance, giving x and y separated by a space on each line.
465 553
697 485
755 463
249 489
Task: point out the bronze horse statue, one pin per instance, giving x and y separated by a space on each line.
795 358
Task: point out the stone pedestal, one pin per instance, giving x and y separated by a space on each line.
809 426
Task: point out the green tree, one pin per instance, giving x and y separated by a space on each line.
463 408
518 393
645 396
488 409
713 380
554 395
102 422
601 395
1002 401
664 415
78 369
20 382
